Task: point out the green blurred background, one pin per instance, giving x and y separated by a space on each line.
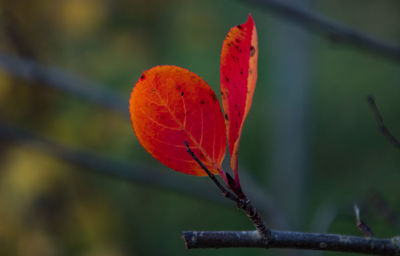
310 147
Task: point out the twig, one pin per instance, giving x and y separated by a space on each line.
240 198
333 30
379 120
362 226
224 191
292 240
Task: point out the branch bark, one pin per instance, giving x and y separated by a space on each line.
292 240
331 29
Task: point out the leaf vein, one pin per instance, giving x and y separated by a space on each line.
158 123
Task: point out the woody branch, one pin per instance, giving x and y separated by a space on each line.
292 240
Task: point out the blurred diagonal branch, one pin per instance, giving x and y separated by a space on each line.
330 28
379 120
59 79
105 165
132 172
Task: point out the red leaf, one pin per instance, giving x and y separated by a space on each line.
238 81
170 105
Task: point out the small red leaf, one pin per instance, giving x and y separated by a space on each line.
170 105
238 81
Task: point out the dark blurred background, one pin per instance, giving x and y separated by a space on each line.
75 181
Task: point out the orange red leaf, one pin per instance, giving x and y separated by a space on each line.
238 80
170 105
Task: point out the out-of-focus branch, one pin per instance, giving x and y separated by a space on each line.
64 81
126 171
292 240
381 208
118 169
379 120
329 28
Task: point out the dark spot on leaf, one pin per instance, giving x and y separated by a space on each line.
201 156
252 51
202 102
178 87
237 40
226 117
236 105
142 77
239 113
227 79
182 93
240 27
213 96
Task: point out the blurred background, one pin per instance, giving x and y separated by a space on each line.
75 181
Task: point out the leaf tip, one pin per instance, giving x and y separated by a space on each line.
250 19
